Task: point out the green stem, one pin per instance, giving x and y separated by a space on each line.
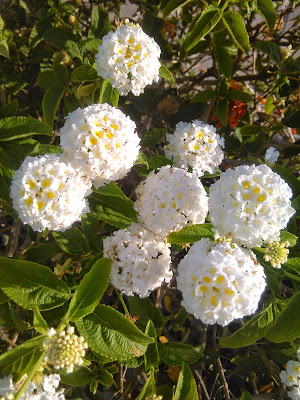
292 276
122 301
64 322
29 377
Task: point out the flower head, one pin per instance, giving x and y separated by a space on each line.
169 200
48 192
64 349
140 260
195 145
220 282
250 204
276 253
101 141
45 390
271 155
291 378
129 58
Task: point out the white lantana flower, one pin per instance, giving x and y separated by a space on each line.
48 192
140 260
64 349
129 58
220 282
101 141
291 378
195 145
271 155
250 204
45 390
169 200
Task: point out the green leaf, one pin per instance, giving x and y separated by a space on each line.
222 111
224 60
18 127
204 24
239 95
109 94
173 5
110 204
293 263
145 310
165 73
40 325
204 96
100 24
71 102
112 335
5 182
89 227
191 234
51 101
46 79
59 37
296 203
104 377
85 90
148 389
153 137
61 75
22 359
151 355
40 253
29 284
287 236
269 48
3 297
286 327
6 321
9 109
11 155
267 11
72 241
186 388
246 396
253 330
4 50
285 174
235 26
81 376
292 120
249 130
90 290
41 148
173 353
84 73
92 45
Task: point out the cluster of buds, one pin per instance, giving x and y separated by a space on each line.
154 397
65 349
276 253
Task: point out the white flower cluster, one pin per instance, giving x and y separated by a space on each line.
45 390
64 349
291 377
140 260
101 141
48 192
129 58
271 155
250 204
195 145
169 200
220 282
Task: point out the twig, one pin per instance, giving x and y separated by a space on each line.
6 339
202 385
219 365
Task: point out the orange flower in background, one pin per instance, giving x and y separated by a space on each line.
169 29
236 108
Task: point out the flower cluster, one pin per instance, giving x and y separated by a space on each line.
45 390
169 200
48 192
129 58
101 141
220 282
271 155
276 253
250 204
291 377
195 145
140 260
64 349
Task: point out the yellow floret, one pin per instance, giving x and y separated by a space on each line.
29 201
93 141
46 182
206 279
40 204
246 184
261 198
